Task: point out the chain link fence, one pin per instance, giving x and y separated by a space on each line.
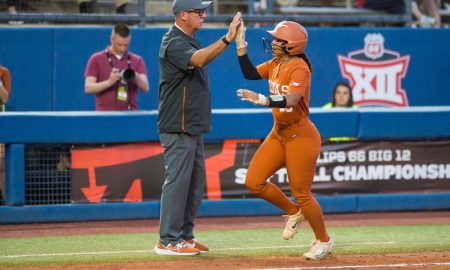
47 174
48 177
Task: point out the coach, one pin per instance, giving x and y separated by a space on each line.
184 113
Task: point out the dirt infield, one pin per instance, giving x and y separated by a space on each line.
219 223
428 260
415 261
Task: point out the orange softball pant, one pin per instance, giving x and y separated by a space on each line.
296 147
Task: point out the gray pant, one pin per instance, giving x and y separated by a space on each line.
184 186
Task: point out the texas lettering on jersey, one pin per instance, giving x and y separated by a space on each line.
277 89
375 73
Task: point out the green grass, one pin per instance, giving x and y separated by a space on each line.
112 248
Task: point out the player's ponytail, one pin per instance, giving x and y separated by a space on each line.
306 59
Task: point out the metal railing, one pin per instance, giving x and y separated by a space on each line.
271 14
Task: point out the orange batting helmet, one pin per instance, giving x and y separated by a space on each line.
294 34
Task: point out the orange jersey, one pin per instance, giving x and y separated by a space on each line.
294 76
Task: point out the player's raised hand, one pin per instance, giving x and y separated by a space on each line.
250 96
240 36
232 29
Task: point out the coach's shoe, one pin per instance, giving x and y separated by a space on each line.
193 243
180 249
292 223
319 250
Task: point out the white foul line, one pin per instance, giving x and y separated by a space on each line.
149 251
299 246
357 266
74 254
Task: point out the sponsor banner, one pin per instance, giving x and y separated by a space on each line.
135 172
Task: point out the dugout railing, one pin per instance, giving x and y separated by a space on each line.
45 132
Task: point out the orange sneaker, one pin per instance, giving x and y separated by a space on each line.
193 243
180 249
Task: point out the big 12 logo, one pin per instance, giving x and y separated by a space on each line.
375 74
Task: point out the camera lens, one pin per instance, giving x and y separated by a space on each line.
128 75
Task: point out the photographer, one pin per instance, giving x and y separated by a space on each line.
115 74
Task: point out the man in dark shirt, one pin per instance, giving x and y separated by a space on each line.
184 113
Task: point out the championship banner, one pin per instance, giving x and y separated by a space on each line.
383 167
135 172
354 167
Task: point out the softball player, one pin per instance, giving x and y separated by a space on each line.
294 141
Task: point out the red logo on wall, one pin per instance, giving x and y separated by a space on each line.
375 73
117 173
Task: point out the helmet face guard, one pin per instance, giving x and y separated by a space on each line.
268 46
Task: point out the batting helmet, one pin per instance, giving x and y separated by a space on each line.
294 34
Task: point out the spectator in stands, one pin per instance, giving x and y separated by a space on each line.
389 6
15 5
184 114
123 7
87 6
445 4
426 12
115 74
90 6
12 9
342 98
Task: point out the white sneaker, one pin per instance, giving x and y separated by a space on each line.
319 250
292 223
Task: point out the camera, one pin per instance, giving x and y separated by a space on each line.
127 75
